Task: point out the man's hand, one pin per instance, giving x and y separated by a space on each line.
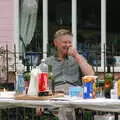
72 52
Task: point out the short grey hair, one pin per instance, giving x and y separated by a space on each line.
62 32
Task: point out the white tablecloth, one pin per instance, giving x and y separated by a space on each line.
98 104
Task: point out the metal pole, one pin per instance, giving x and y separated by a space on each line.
74 22
104 61
7 61
16 24
97 58
103 33
15 65
113 61
15 56
45 27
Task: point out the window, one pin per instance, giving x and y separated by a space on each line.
89 30
91 27
113 32
59 16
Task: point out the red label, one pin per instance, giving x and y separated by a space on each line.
43 82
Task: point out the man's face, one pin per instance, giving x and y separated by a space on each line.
63 43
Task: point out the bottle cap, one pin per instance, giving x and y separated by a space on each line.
42 60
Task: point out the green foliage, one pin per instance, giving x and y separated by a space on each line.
27 76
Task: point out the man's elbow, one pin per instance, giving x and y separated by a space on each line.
90 72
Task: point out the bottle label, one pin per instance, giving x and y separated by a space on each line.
118 88
43 82
88 90
20 83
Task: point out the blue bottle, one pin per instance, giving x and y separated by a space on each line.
20 78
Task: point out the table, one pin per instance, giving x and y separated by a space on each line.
98 104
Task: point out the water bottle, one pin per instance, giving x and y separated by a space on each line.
43 79
20 77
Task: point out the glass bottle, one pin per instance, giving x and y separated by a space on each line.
108 82
27 78
51 83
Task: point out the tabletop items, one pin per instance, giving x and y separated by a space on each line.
89 84
89 90
7 94
41 83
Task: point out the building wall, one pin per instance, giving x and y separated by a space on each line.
7 23
6 38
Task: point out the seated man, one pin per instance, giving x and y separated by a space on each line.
66 64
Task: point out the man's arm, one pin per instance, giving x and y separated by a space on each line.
85 67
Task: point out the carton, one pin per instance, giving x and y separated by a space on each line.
89 87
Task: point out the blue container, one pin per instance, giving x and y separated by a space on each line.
88 90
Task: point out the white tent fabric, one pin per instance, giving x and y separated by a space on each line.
28 20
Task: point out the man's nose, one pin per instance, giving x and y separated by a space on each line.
69 45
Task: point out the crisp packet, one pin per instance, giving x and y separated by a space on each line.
76 91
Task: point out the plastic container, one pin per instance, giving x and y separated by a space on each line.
76 91
33 86
43 79
89 87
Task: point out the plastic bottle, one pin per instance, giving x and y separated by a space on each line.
114 91
33 86
43 79
20 77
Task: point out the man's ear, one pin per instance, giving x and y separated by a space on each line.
55 43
